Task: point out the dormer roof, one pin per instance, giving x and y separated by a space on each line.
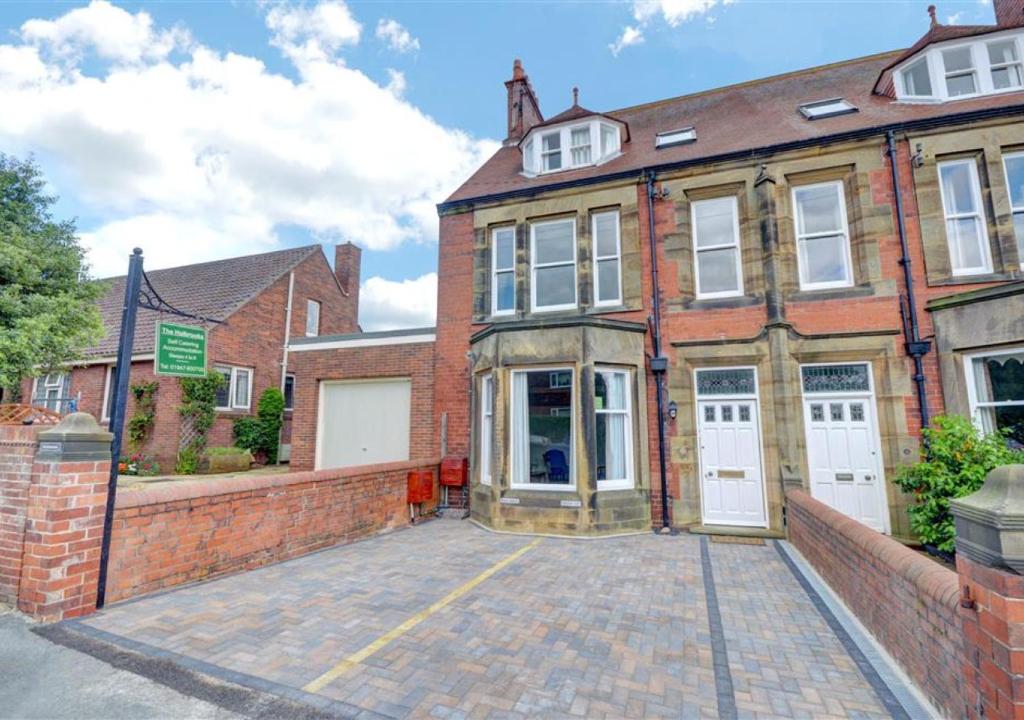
577 112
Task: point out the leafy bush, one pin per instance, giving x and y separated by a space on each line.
261 434
142 420
138 464
198 410
958 459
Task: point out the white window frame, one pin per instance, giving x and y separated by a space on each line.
534 266
628 482
978 215
554 385
486 427
992 67
598 258
973 71
972 393
495 271
544 154
735 244
108 381
902 75
514 482
805 283
980 61
312 314
1014 209
589 145
232 386
48 386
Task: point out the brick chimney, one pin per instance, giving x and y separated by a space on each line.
1009 12
347 259
523 108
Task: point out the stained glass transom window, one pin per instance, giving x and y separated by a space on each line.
726 382
836 378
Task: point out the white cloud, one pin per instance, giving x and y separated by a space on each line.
672 12
397 37
630 36
109 31
206 155
955 18
387 304
396 82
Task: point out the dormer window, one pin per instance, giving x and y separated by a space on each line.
573 145
959 69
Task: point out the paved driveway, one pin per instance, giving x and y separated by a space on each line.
447 620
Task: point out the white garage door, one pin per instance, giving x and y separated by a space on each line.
363 422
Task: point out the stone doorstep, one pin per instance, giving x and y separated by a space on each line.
739 531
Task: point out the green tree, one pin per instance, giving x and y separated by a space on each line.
48 309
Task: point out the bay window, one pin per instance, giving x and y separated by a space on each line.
995 387
574 145
823 239
1014 167
607 258
486 426
553 265
541 441
985 66
503 271
716 248
966 232
613 424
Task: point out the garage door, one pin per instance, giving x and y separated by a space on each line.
363 423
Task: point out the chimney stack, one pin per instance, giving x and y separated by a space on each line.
523 108
347 261
1009 13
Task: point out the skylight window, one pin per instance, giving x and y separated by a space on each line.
675 137
826 108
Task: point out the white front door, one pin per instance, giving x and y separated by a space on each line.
732 486
843 457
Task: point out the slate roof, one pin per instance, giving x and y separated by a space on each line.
737 119
212 289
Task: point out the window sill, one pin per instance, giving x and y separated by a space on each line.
840 293
233 412
733 301
974 279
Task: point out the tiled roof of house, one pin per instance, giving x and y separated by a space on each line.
213 289
732 120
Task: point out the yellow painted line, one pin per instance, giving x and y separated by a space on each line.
354 659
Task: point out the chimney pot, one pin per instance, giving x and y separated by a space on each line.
931 14
523 107
575 96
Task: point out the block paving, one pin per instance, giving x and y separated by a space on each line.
608 628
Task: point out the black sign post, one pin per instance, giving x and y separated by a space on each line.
138 292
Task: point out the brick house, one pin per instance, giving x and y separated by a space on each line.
262 300
670 313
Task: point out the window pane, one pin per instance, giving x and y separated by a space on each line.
552 142
999 378
1006 77
505 291
224 393
1018 229
504 248
542 451
609 136
556 285
289 392
1015 180
487 390
241 388
965 243
580 144
608 280
714 222
960 85
312 318
1004 51
824 259
957 188
717 271
606 226
958 59
818 209
553 242
610 390
916 80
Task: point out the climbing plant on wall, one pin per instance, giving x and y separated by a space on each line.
198 411
140 425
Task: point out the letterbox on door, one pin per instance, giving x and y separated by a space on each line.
454 472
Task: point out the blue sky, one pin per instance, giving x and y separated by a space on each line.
207 129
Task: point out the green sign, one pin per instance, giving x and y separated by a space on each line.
180 350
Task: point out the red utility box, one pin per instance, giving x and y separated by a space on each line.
454 472
420 487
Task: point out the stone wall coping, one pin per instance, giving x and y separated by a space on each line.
20 434
941 584
193 489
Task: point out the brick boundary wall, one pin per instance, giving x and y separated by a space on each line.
17 451
194 530
908 602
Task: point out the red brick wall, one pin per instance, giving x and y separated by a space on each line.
413 360
190 531
17 450
908 602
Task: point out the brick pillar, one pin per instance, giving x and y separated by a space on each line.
64 519
17 449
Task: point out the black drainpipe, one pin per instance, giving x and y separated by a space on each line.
916 347
659 363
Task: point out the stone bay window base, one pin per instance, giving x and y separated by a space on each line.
560 428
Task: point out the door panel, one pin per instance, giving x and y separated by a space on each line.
732 483
843 458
